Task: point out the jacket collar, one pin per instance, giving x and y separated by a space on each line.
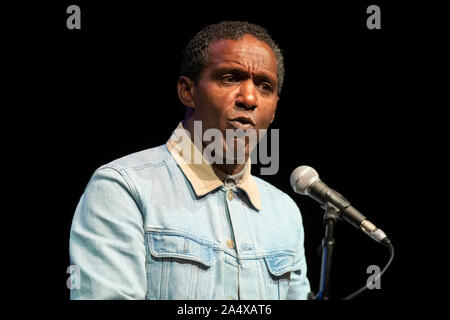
200 173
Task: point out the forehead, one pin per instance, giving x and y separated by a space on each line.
247 52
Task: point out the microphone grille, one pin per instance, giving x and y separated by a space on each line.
302 178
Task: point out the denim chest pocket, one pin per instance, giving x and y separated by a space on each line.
280 268
178 266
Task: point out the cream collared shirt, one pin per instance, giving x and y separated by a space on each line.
202 176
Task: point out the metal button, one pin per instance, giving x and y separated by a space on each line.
230 243
230 194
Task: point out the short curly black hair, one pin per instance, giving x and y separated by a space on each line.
197 54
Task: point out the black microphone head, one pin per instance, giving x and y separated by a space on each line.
302 178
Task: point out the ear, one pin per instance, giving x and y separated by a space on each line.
185 88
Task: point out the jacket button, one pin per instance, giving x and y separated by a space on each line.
230 194
230 243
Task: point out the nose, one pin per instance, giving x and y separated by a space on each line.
247 96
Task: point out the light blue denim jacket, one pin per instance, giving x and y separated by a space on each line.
152 225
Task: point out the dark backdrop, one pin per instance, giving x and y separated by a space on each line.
109 89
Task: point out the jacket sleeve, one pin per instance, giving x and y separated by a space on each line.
299 286
107 240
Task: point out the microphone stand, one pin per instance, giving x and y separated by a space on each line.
329 219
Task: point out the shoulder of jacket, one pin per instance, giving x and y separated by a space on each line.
148 158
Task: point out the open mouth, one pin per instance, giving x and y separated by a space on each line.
243 123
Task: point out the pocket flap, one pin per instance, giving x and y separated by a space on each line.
181 247
279 265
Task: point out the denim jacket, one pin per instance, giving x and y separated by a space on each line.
151 225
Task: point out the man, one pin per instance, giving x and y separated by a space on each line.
158 224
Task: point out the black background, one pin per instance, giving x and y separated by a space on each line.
109 89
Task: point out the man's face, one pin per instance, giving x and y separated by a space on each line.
238 90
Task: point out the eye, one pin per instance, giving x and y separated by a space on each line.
266 86
229 79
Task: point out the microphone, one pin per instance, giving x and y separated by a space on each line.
305 180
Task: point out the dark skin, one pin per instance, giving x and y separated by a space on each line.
241 81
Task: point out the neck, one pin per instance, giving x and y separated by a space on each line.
230 169
224 167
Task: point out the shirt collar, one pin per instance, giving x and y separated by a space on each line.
200 173
234 179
